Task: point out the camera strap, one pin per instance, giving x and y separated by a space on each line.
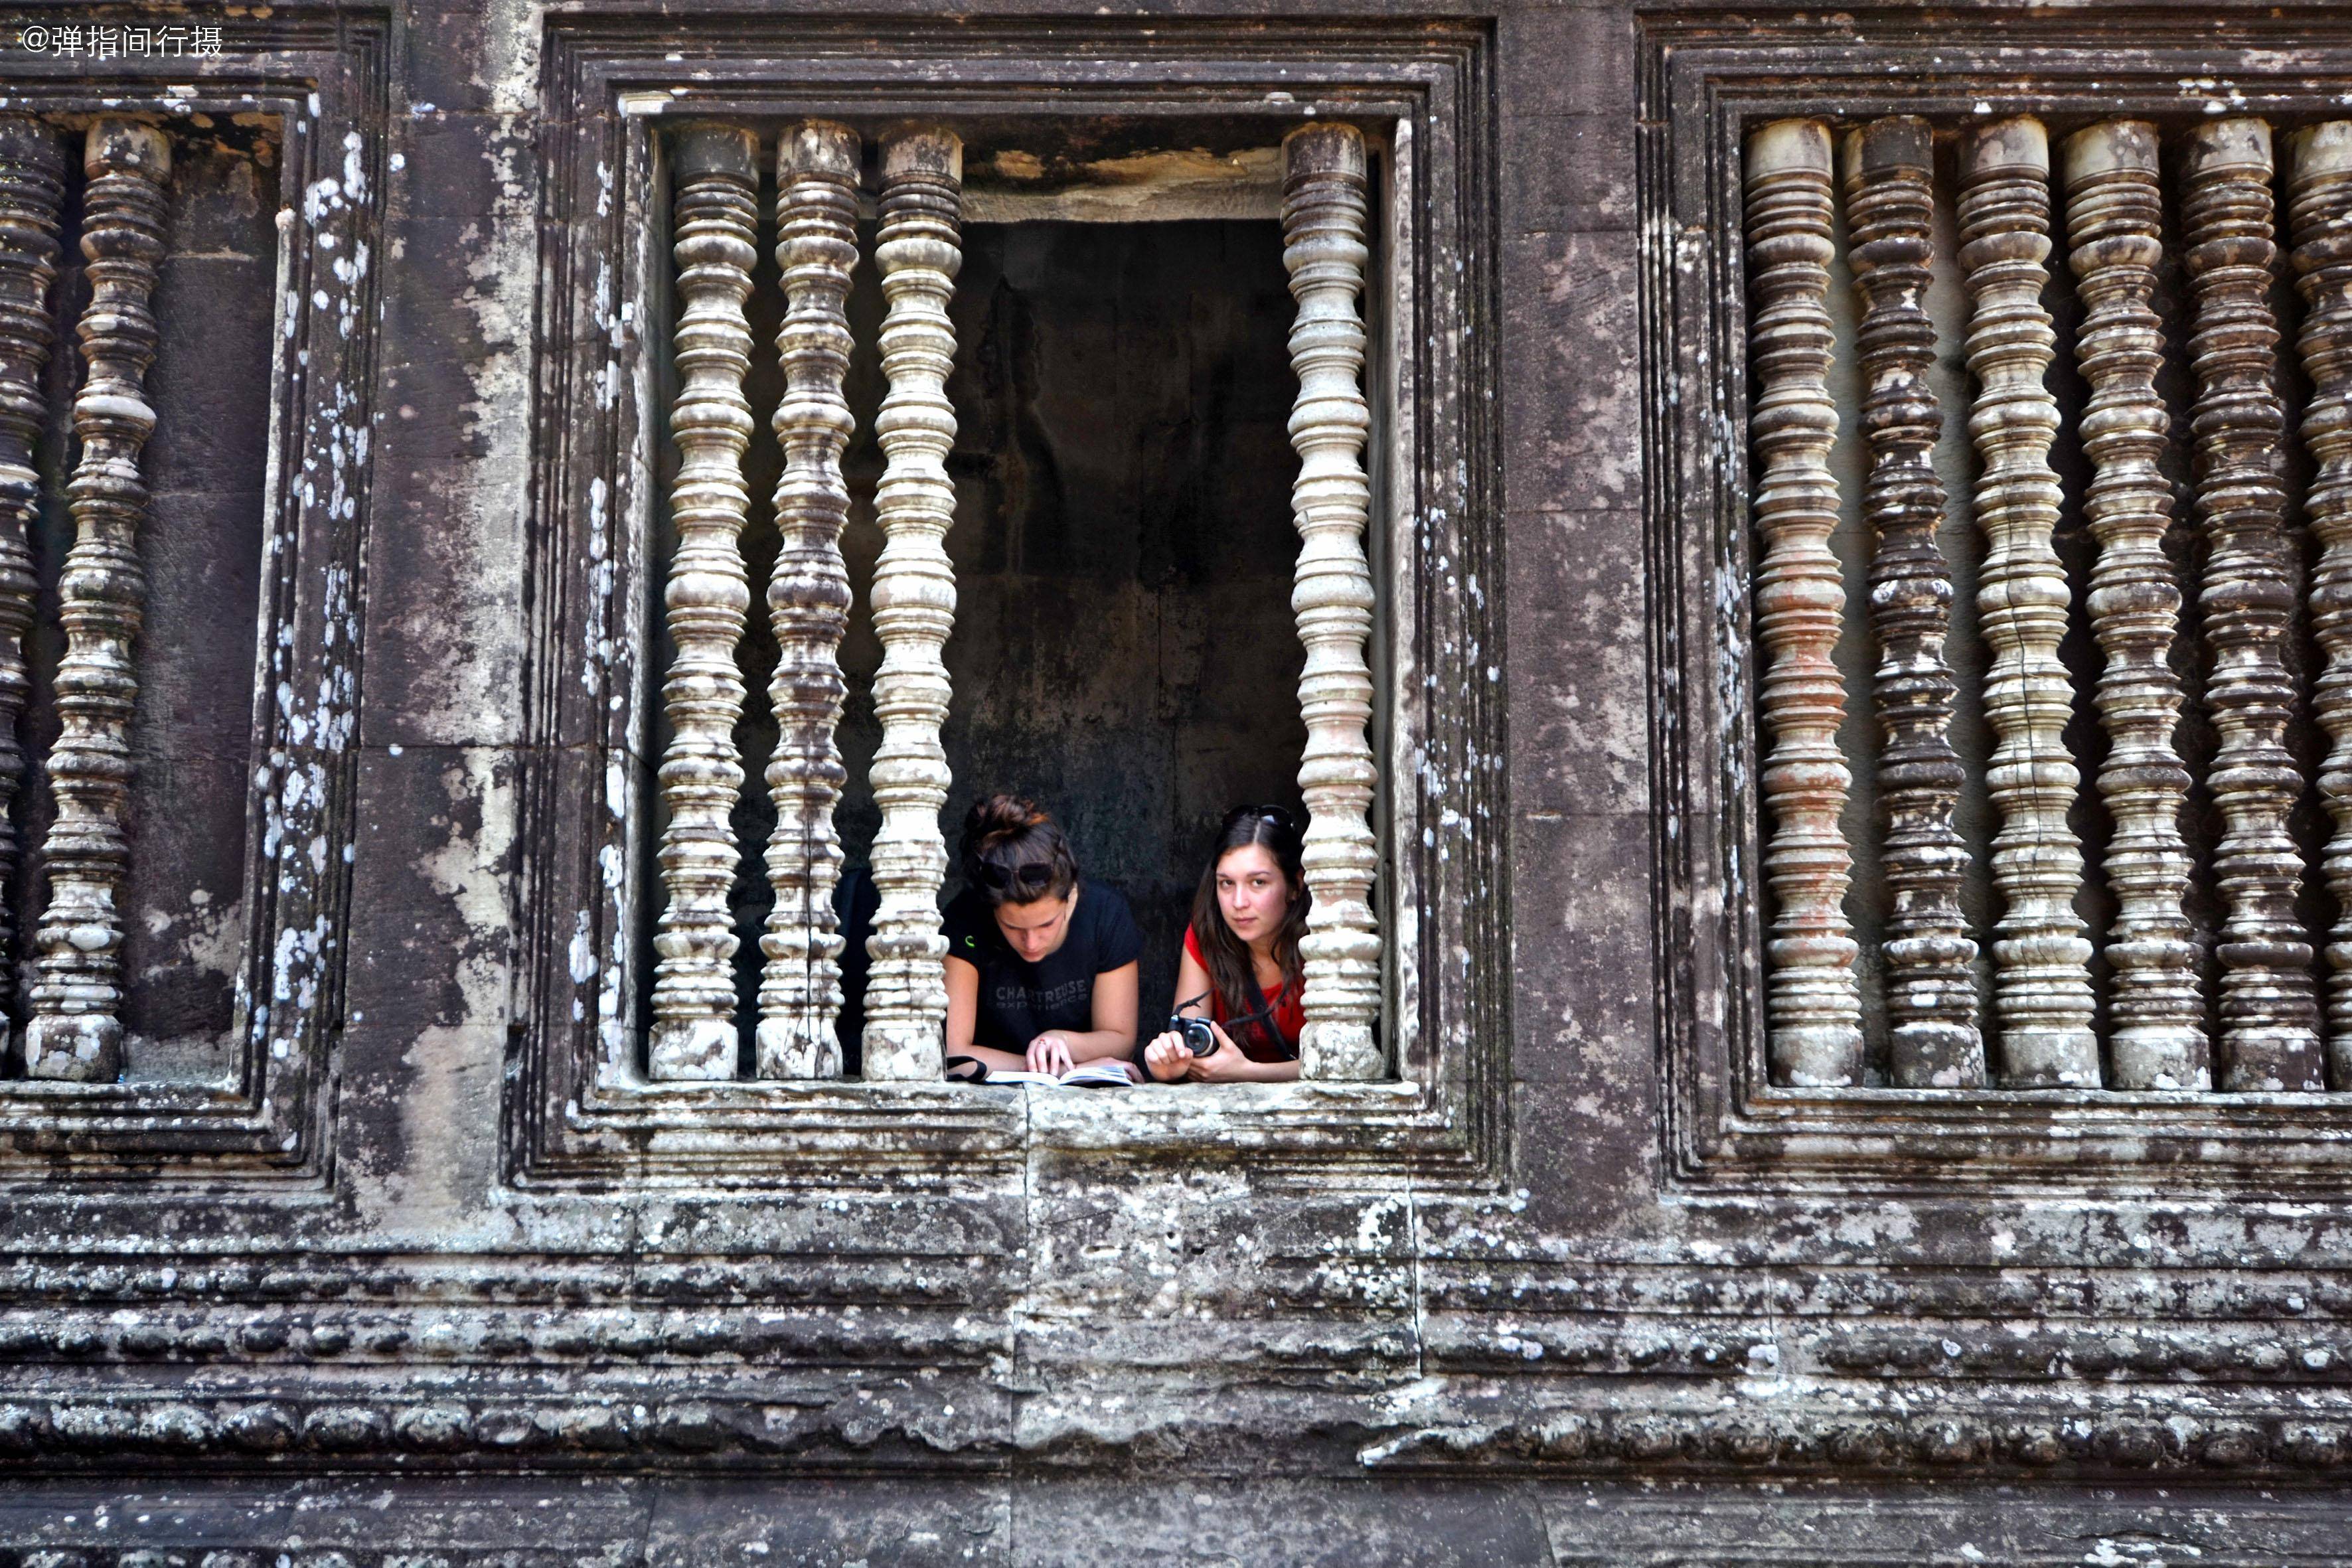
1263 1014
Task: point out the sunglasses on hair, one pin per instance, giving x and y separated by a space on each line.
1272 814
1038 874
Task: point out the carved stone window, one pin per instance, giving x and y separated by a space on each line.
638 1039
2025 688
186 310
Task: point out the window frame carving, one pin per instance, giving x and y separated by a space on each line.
1706 82
324 76
608 87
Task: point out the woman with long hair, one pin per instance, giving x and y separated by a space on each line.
1042 963
1241 969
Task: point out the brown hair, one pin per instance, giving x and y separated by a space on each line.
1231 970
1015 854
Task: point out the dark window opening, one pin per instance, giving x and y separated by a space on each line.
1124 649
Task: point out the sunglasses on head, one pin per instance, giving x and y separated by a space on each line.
1272 814
1037 876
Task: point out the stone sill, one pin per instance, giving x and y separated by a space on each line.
1085 1121
144 1096
711 1132
941 1094
1077 1117
2190 1142
2053 1099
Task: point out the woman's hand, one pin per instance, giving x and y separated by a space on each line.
1224 1064
1168 1059
1050 1053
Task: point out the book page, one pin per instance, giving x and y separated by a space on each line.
1092 1075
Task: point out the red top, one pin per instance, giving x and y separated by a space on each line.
1256 1043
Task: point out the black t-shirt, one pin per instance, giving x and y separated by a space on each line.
1020 1001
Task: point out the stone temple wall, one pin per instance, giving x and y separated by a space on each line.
1864 1069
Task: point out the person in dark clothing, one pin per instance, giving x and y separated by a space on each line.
856 901
1042 963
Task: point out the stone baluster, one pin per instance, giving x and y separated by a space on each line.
2114 213
914 598
1813 1004
32 190
715 171
808 600
76 1030
2269 1022
2042 984
1931 994
2319 211
1323 211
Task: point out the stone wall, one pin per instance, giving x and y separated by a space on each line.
417 1277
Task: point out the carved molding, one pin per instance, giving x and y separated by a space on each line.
914 599
1931 992
716 172
661 1357
817 171
2114 217
75 1032
1324 249
2042 982
2319 210
2269 1034
32 189
243 1342
1846 1427
1814 1007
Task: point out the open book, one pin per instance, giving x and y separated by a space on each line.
1106 1074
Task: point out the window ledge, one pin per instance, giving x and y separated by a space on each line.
1162 1100
2091 1101
1860 1139
150 1095
1193 1116
740 1134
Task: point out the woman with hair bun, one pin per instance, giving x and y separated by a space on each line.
1241 969
1042 963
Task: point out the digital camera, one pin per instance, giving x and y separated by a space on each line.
1197 1033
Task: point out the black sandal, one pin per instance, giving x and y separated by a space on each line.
979 1073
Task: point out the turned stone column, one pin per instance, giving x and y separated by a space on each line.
76 1031
2115 214
2269 1014
2319 210
808 600
715 172
2042 982
914 598
32 189
1812 1005
1931 992
1323 207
